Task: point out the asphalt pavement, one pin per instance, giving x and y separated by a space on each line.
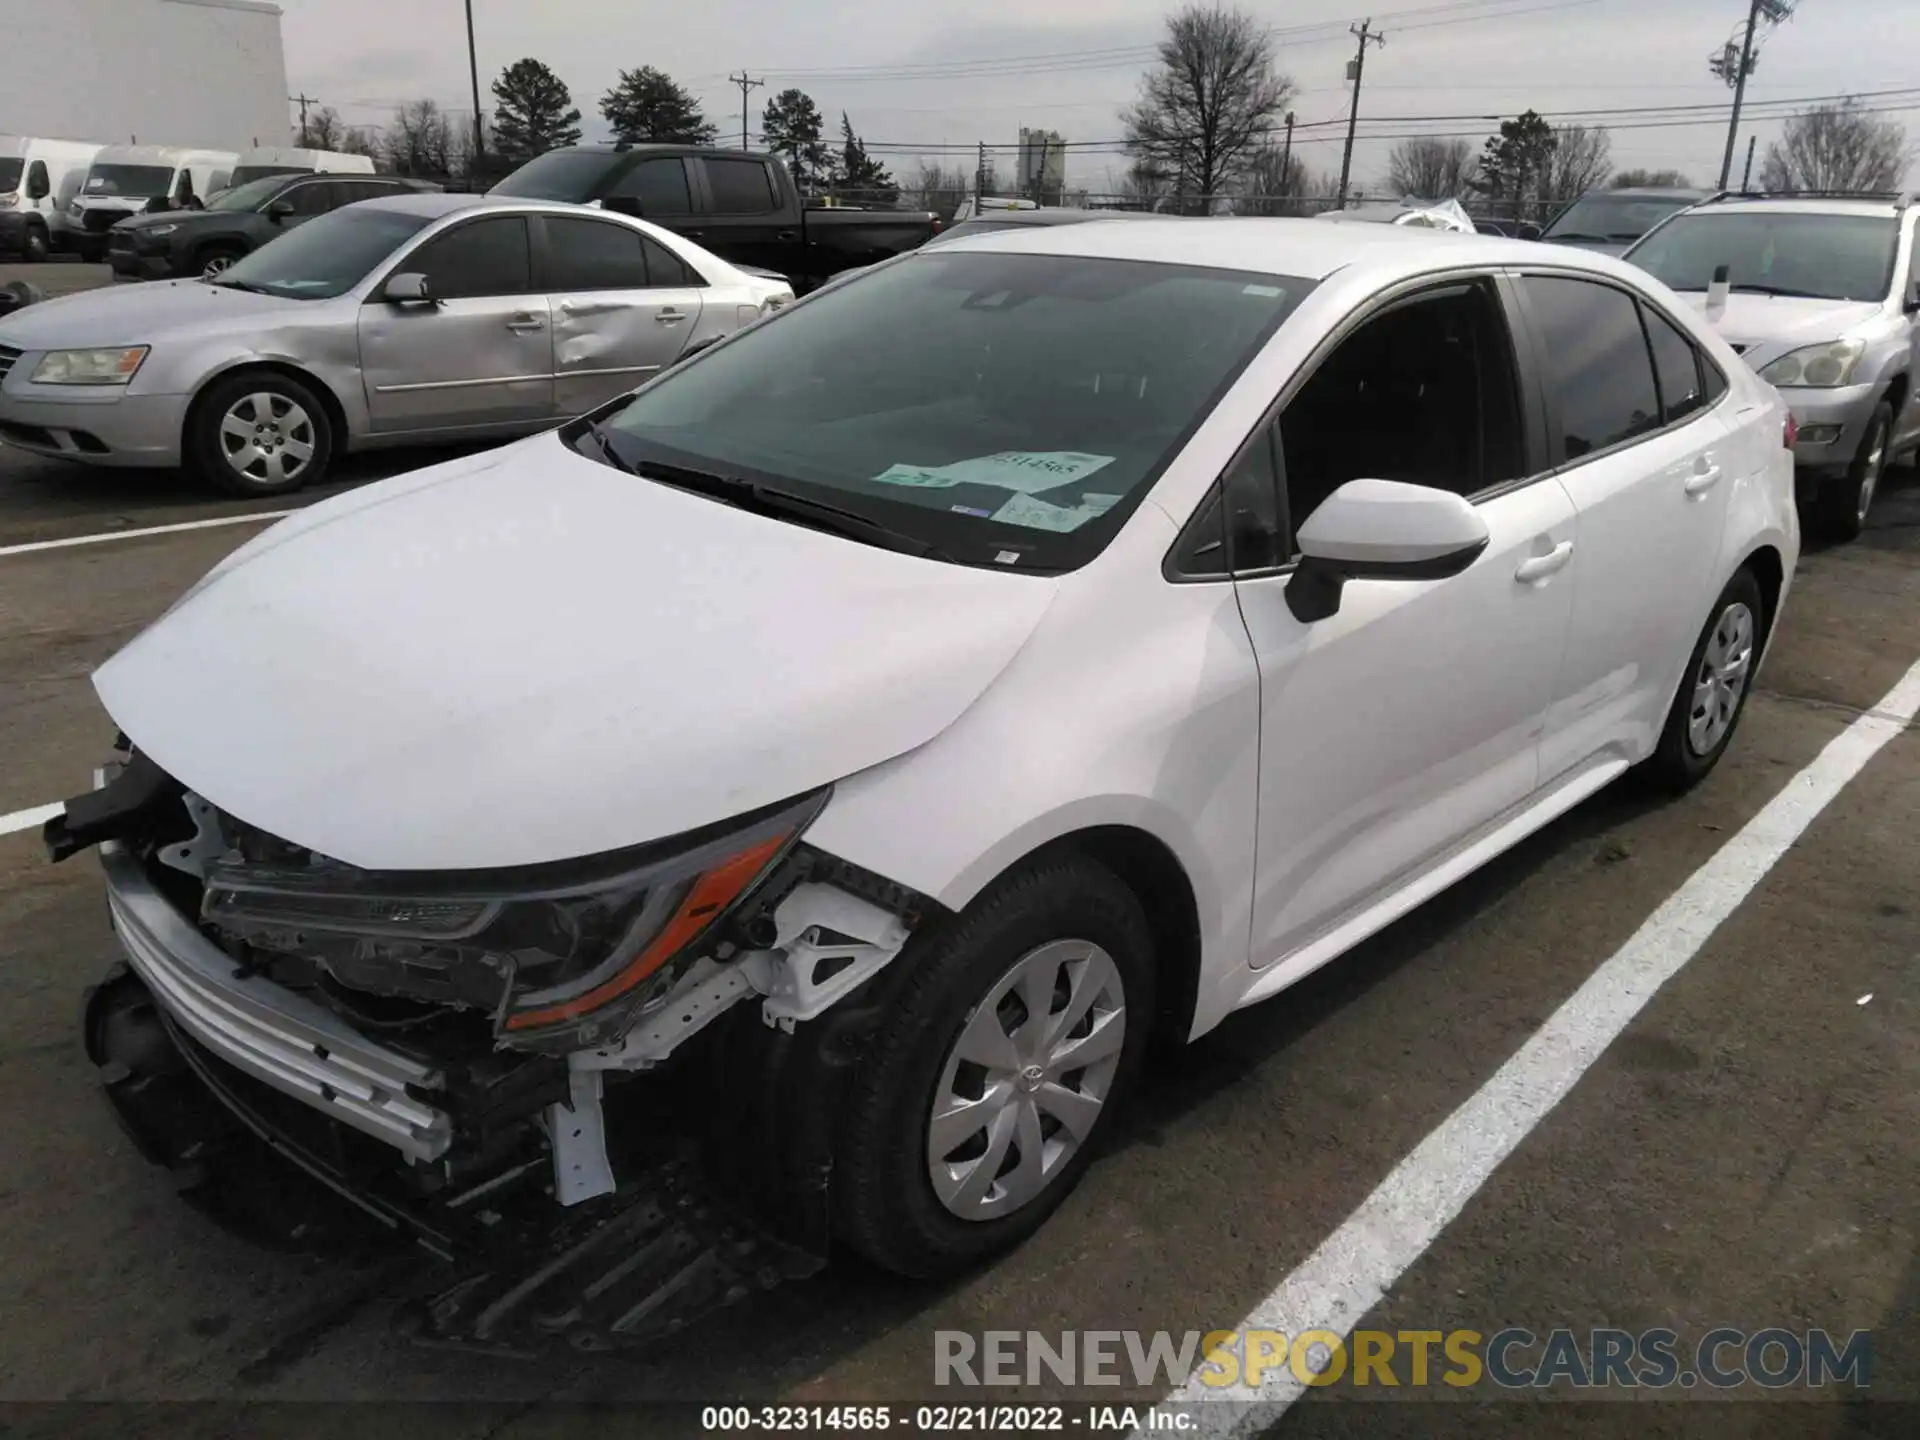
1746 1154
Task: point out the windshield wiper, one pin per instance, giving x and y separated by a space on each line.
1754 289
783 504
1575 235
241 285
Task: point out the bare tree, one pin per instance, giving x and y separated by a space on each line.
936 188
1430 168
359 140
1271 184
323 130
1837 147
1210 102
1656 179
420 140
1581 161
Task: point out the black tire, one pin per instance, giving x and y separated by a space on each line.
884 1201
1841 507
1677 763
92 252
213 259
305 421
33 249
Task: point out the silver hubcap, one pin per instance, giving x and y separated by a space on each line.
1876 462
267 437
1027 1079
1722 679
215 266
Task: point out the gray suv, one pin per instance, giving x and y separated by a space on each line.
1822 295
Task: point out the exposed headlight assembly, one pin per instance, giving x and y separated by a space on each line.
160 229
566 956
89 367
1818 367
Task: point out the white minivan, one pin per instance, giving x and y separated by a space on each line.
289 160
38 180
128 180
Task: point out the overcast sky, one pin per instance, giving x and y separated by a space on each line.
1442 58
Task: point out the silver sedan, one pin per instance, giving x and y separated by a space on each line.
414 318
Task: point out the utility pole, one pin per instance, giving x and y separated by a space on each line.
746 82
1286 161
980 179
473 74
1735 73
1356 69
303 100
1746 180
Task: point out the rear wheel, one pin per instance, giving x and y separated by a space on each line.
1009 1041
260 435
1713 692
33 249
1841 507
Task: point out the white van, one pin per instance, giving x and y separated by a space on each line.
131 179
38 180
288 160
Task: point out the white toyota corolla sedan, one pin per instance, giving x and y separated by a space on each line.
899 713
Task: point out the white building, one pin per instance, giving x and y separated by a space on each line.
204 73
1043 164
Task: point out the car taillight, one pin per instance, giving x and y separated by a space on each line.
1790 432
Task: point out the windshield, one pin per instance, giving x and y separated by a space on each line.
1005 409
249 196
1618 218
10 168
144 181
242 174
327 256
558 175
1825 257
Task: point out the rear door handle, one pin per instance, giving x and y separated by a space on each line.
784 235
526 324
670 317
1702 481
1531 572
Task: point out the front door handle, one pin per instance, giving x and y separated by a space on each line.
1702 481
526 324
670 317
1532 572
785 235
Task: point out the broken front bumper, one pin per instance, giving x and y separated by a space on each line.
269 1032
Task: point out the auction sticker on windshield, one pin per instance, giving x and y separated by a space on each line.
1023 509
1022 471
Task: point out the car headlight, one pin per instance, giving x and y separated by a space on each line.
9 200
159 229
1819 367
89 367
564 956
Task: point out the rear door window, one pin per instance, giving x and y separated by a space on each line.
1598 369
740 187
593 255
666 270
1677 366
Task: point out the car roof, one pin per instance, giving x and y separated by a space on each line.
1798 205
1654 192
1059 215
435 203
1302 248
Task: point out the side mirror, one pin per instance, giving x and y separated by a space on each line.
1381 530
37 184
409 289
279 210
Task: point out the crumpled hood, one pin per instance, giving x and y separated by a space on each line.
1768 326
528 656
132 314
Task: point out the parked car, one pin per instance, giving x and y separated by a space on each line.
38 180
1512 229
291 160
415 317
740 205
855 746
1611 220
128 180
235 223
1822 295
1445 215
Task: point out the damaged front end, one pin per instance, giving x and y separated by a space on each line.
496 1064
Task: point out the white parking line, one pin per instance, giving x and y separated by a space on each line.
1356 1265
104 536
28 819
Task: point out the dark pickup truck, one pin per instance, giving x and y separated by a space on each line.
740 205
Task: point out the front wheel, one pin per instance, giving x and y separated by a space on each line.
33 249
1008 1042
1713 692
215 262
1841 507
260 435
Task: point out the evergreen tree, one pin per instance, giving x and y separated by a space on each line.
864 178
791 125
648 107
533 112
